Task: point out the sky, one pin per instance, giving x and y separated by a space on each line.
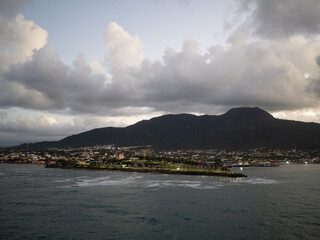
71 66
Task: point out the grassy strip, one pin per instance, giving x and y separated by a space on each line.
162 170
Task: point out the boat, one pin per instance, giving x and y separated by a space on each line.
267 164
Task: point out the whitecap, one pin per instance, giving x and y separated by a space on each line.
255 181
70 179
105 181
63 180
184 184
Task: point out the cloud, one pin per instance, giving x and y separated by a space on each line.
3 115
19 129
19 38
314 86
16 94
27 126
124 50
254 73
61 86
9 8
97 66
291 28
269 74
72 89
318 60
270 60
285 18
306 115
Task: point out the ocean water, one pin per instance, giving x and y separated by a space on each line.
272 203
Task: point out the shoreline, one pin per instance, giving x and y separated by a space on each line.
159 171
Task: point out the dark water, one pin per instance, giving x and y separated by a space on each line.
273 203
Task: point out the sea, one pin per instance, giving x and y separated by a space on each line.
271 203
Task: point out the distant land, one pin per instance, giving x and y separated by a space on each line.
239 128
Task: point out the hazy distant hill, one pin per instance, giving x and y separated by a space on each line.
239 128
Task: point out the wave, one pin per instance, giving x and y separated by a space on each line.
207 186
99 181
85 181
255 181
70 179
105 181
185 184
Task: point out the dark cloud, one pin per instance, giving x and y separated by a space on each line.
248 74
24 128
283 18
8 8
269 74
3 115
275 72
318 60
60 87
314 86
15 94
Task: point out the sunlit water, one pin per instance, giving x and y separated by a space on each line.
272 203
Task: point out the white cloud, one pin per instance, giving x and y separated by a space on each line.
124 50
269 74
97 66
305 115
19 38
302 52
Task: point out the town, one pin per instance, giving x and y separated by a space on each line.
144 156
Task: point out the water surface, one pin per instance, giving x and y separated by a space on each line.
272 203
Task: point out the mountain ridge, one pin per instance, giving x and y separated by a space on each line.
238 128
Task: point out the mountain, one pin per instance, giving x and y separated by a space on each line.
239 128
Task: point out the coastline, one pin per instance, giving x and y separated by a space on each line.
160 171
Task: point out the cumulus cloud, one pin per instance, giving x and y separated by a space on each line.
271 62
9 8
96 66
314 86
16 94
3 115
27 126
255 73
19 38
306 115
19 129
318 60
124 50
274 18
292 29
268 74
73 89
